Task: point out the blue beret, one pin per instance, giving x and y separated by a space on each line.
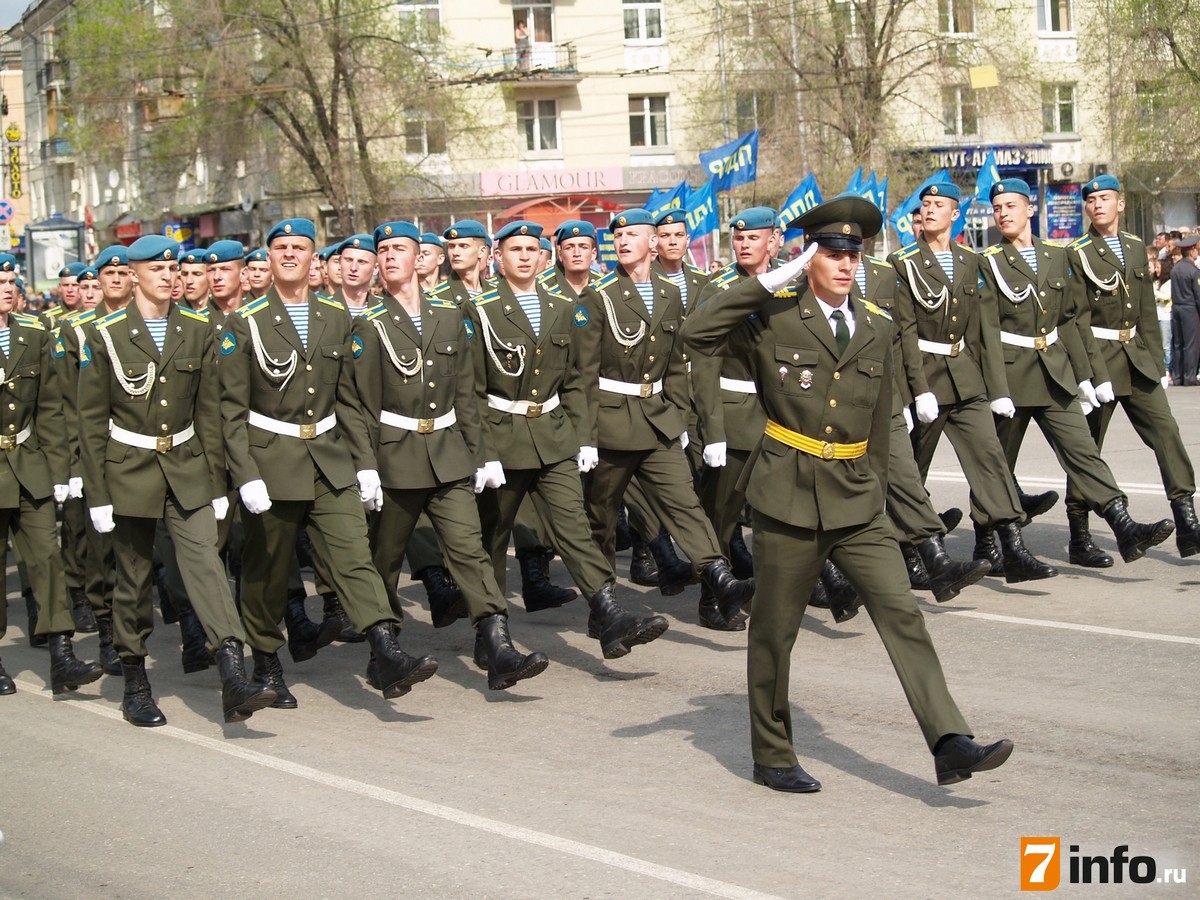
520 228
1010 186
1101 183
941 189
428 237
8 263
225 251
71 270
324 253
364 242
467 228
116 255
754 218
293 228
153 247
89 273
389 231
194 257
257 255
631 217
20 281
574 228
545 244
677 216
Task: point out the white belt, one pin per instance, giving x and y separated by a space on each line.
630 389
1124 335
941 349
158 443
526 408
420 426
12 441
738 386
1041 342
287 429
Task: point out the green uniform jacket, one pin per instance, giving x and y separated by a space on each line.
174 389
976 372
442 379
321 385
610 306
1036 377
807 386
695 278
1127 305
30 397
511 363
454 290
881 290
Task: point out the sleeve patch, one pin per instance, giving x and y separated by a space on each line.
581 316
228 343
470 327
85 356
356 346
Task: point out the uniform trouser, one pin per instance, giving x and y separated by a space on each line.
33 527
423 548
1150 415
337 528
1067 433
100 570
908 505
164 555
1185 342
969 425
667 481
558 487
530 533
719 495
786 556
194 534
74 541
642 521
455 517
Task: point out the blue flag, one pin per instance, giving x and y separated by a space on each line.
901 219
702 216
882 195
801 200
735 163
989 174
964 207
855 184
661 201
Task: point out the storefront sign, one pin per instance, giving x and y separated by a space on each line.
550 182
1064 211
1014 156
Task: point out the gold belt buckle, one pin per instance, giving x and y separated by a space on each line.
953 350
308 432
1039 343
424 426
163 444
826 450
533 410
8 442
647 391
1123 335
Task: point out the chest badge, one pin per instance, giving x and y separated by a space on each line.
806 379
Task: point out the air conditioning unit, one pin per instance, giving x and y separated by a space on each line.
1066 171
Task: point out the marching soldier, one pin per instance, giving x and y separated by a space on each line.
1118 320
258 273
193 269
430 261
822 364
358 271
150 443
467 248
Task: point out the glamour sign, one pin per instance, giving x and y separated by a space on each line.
550 181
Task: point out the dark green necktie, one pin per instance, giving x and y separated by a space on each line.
841 331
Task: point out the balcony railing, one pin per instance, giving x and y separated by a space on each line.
57 149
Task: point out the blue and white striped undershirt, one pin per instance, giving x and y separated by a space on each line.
1029 254
158 331
945 259
356 311
680 282
299 316
1114 244
416 320
861 277
5 340
646 289
533 311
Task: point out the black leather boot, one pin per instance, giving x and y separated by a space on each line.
741 560
733 595
985 548
480 655
674 574
269 673
948 576
1033 505
138 706
624 532
642 569
950 519
196 655
240 697
918 577
398 671
32 609
335 612
6 683
617 630
536 589
81 611
108 659
819 597
66 672
1134 538
711 616
1019 564
304 636
1081 550
506 664
1187 529
843 598
446 602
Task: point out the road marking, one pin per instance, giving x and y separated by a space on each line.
678 877
1059 484
1073 626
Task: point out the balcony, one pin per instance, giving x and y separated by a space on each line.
58 150
51 75
541 63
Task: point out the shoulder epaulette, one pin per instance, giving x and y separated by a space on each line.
1081 242
876 260
1132 237
727 275
872 308
908 250
28 321
329 301
375 312
251 308
786 293
966 247
604 281
696 270
111 319
54 312
664 279
440 287
322 296
486 297
193 314
79 316
442 303
992 250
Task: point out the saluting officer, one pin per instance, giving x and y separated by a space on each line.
823 367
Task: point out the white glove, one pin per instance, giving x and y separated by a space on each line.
1003 406
1086 407
370 489
587 458
489 475
684 440
61 493
1105 392
777 279
1087 394
1166 381
255 497
102 519
75 487
220 507
927 407
714 455
908 420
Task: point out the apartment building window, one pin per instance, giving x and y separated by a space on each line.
535 18
423 136
426 14
960 115
754 109
1058 108
538 121
1149 103
1054 15
956 16
648 121
643 20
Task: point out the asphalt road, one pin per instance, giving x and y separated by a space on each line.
631 778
